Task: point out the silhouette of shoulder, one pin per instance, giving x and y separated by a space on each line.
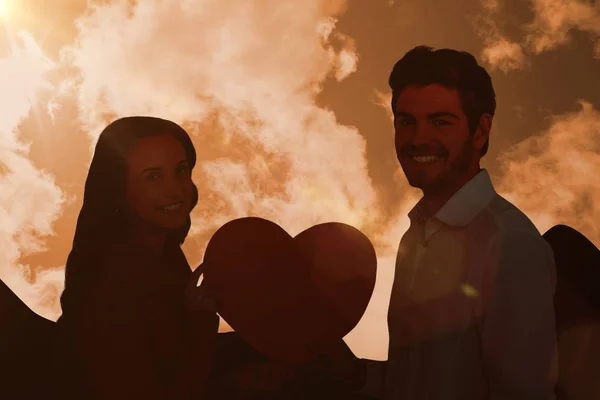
504 217
505 237
502 221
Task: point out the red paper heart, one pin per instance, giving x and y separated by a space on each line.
259 279
284 295
343 268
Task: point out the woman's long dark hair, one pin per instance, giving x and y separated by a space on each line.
99 223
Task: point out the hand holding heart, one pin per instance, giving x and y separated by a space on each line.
285 295
199 298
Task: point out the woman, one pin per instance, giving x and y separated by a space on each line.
128 331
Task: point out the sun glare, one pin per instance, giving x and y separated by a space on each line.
4 6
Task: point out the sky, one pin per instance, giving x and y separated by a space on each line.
288 107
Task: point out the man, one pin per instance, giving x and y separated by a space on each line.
471 312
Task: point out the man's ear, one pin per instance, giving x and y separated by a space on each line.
482 132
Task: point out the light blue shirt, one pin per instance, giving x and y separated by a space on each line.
471 314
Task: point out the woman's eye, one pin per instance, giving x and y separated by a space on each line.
153 176
183 170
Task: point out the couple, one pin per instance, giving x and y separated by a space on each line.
471 313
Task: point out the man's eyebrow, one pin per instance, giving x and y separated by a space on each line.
442 114
404 114
438 114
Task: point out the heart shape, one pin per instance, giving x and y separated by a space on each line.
342 268
284 295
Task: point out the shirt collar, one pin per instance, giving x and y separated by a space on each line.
464 205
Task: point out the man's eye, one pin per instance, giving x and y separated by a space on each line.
440 122
403 122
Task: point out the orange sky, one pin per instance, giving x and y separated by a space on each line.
288 110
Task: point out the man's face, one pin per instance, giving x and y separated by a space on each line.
433 142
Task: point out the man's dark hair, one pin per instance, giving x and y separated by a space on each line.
453 69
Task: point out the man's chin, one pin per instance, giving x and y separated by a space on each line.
423 183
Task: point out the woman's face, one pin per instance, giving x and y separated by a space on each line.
159 183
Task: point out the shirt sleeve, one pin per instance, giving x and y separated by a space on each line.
518 330
375 371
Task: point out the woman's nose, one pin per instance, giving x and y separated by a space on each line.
174 189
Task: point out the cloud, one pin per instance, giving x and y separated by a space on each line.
499 51
491 5
551 26
212 62
384 100
554 19
242 76
552 177
504 54
347 64
30 201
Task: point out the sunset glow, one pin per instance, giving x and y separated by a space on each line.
4 8
29 199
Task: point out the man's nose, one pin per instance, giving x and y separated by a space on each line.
422 134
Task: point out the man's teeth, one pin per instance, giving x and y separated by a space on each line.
424 159
172 207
